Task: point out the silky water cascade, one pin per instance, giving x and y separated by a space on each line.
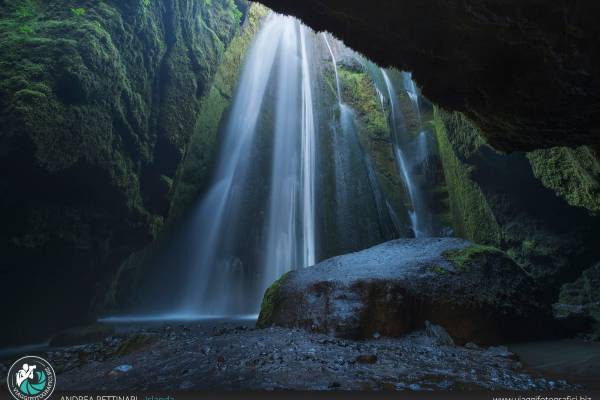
292 183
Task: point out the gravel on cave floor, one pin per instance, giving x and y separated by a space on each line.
237 357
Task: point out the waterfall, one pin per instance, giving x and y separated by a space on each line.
421 149
419 215
335 70
242 249
353 168
279 254
278 153
211 269
411 90
308 158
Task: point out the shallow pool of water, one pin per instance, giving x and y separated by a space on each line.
576 361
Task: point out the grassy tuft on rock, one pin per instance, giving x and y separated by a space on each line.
464 257
270 300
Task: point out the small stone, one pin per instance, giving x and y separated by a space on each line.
502 351
220 359
472 346
439 334
186 385
366 359
123 368
376 335
414 387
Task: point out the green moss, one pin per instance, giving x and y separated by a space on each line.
79 11
100 100
471 214
573 174
436 269
462 258
133 344
585 290
358 91
584 296
269 301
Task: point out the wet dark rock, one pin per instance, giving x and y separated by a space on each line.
123 368
134 343
476 293
525 71
366 359
502 351
574 319
537 207
438 333
81 335
578 309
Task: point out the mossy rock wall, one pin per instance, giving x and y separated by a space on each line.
358 90
574 174
192 176
141 269
470 212
363 88
98 103
503 200
582 298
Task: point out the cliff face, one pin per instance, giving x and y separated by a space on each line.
526 72
140 269
98 102
507 201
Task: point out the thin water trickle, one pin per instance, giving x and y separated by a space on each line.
411 90
350 157
419 215
337 77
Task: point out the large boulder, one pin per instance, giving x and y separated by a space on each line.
478 294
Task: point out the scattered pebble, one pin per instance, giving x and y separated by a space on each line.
123 368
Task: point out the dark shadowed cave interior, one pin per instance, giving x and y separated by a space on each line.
301 195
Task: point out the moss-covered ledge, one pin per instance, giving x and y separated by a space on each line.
463 258
270 301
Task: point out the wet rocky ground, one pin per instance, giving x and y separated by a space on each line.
240 357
